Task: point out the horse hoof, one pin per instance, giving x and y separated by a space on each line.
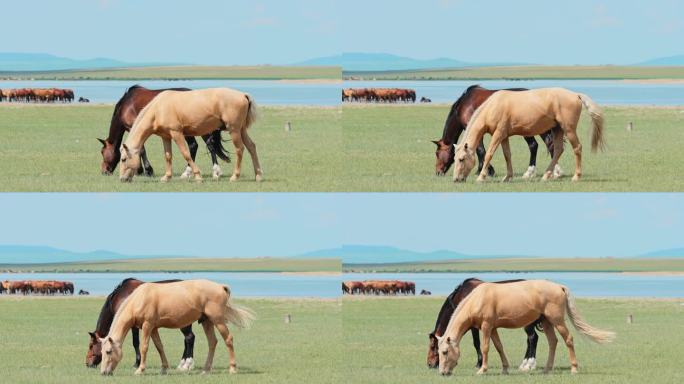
530 173
531 364
481 371
163 371
198 179
216 171
505 371
480 179
186 173
573 370
506 179
232 370
546 176
139 371
258 178
234 178
575 178
558 171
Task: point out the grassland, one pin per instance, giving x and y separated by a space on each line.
526 73
528 265
45 340
390 150
54 148
386 342
266 264
261 72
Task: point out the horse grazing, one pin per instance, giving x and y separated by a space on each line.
457 120
126 111
104 322
528 113
448 308
175 114
173 305
515 305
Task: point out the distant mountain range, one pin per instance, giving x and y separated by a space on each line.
671 61
350 254
28 62
360 62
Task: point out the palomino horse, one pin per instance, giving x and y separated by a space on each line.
515 305
459 115
174 114
126 111
173 305
104 322
448 308
528 113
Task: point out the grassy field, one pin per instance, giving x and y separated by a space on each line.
186 265
390 150
45 340
385 341
261 72
528 265
526 73
54 148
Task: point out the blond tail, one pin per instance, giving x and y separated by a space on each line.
596 114
597 335
251 112
241 317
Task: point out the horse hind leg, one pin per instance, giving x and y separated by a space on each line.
228 338
251 148
187 360
553 342
577 148
567 337
236 136
208 327
530 361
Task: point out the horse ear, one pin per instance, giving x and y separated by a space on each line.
102 141
93 335
435 142
439 338
124 146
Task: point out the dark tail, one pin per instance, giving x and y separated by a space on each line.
215 145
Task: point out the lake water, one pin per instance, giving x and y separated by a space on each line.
241 284
581 284
606 92
265 92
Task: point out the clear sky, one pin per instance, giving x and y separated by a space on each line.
527 31
273 224
197 31
285 32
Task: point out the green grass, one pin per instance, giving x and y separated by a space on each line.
54 148
528 265
526 73
261 72
391 151
45 341
386 342
266 264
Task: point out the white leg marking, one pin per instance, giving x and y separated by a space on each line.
181 365
557 171
216 171
532 364
530 173
187 173
523 365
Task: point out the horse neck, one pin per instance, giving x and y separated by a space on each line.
459 324
445 315
138 135
122 323
453 127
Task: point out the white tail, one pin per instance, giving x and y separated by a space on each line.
597 335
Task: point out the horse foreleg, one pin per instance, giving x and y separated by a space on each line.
208 327
493 145
146 333
192 146
251 148
532 167
499 348
509 164
185 151
228 338
557 152
145 166
160 348
486 335
548 138
168 160
476 344
136 346
553 341
480 152
529 361
236 136
187 360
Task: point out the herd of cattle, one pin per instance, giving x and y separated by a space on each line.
379 287
37 95
379 95
37 287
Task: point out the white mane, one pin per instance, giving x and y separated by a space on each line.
475 115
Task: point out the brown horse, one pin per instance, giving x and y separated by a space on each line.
457 120
174 305
514 305
448 308
104 322
125 113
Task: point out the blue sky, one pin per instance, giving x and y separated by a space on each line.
284 32
199 31
273 224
